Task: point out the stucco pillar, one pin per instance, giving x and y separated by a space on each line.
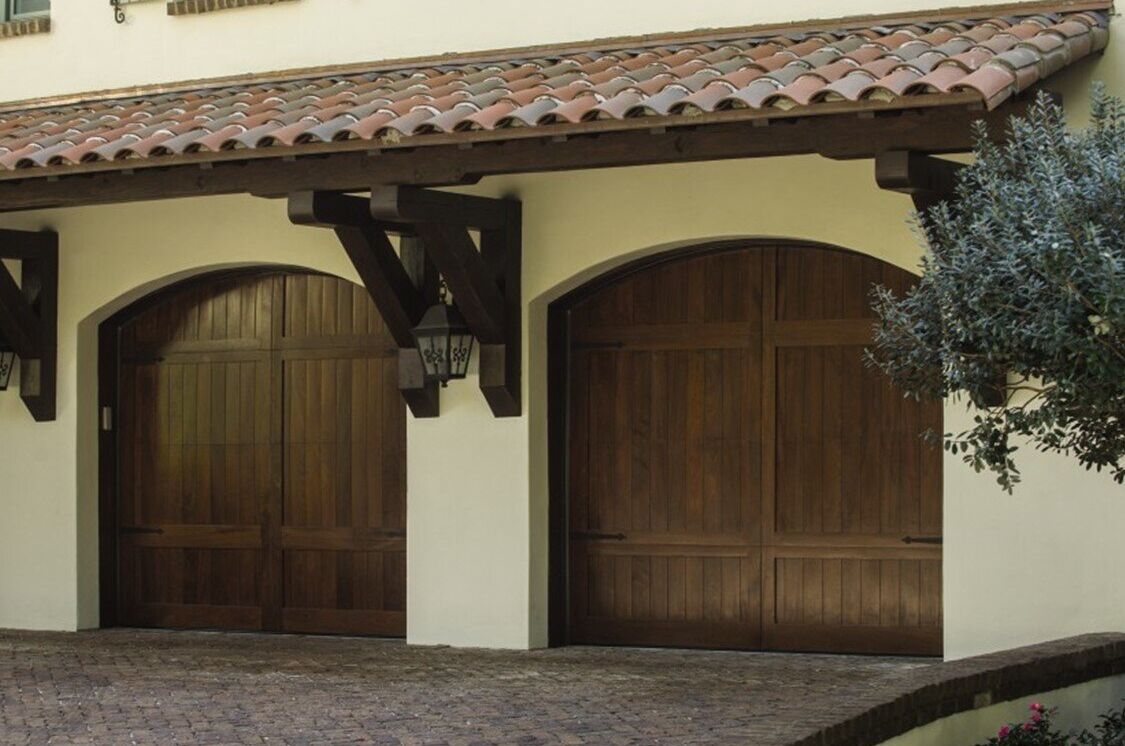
467 525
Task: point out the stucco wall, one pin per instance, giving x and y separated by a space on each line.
476 572
1032 567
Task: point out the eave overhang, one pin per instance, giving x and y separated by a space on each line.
800 106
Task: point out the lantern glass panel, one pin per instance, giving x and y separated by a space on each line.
444 343
460 352
434 354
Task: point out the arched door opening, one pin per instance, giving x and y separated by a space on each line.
253 459
727 472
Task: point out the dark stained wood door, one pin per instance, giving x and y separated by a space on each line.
737 477
665 465
262 460
851 477
343 529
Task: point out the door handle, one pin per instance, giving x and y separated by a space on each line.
921 540
597 535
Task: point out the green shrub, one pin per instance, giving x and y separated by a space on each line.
1025 276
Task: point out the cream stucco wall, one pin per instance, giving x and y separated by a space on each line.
477 546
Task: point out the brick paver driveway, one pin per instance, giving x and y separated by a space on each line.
127 686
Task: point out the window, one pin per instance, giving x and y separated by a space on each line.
18 10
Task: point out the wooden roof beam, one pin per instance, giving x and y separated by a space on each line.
400 297
437 160
926 179
29 315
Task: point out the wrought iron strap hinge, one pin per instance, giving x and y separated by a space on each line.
921 540
598 346
595 535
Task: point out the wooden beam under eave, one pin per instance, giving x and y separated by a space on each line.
19 325
502 253
474 290
29 316
366 243
928 180
485 283
401 297
933 129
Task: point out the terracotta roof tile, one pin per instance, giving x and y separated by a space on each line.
796 71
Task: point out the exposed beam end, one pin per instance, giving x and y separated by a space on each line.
926 179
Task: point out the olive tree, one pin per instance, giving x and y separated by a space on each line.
1021 303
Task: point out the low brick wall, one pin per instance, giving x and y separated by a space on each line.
949 688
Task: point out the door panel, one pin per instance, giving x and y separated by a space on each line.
737 477
195 456
343 528
665 458
262 479
853 475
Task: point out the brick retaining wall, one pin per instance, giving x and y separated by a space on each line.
968 684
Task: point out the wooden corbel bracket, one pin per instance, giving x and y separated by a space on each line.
402 287
29 315
485 283
928 180
436 241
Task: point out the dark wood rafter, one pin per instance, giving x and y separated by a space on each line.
485 282
435 241
838 131
401 300
29 315
926 179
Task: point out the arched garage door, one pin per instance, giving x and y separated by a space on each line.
261 451
736 476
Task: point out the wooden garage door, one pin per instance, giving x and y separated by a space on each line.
737 477
261 441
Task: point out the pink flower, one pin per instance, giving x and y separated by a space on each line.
1005 731
1036 717
1036 707
1028 727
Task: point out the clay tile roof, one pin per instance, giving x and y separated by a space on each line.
804 70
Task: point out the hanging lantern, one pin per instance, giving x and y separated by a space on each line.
7 363
445 343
